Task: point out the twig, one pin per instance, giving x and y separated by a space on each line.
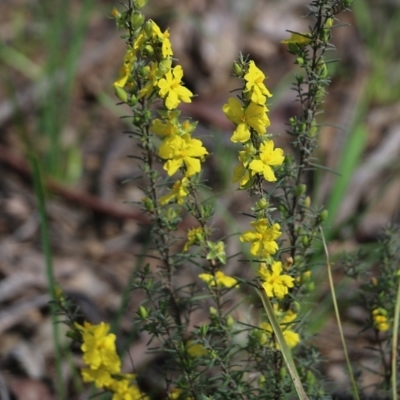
87 200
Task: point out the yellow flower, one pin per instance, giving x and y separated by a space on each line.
380 320
154 32
241 172
178 192
155 71
124 390
115 13
182 151
301 39
194 236
274 283
255 84
101 376
196 349
188 127
254 116
241 175
126 69
139 41
98 347
172 90
219 280
169 128
291 337
268 157
262 238
179 394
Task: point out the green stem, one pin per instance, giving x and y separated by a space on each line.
394 343
40 195
335 305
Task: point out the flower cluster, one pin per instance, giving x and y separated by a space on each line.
104 364
251 120
380 319
285 319
258 161
146 76
274 282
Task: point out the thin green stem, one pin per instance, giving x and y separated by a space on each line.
40 195
394 342
335 305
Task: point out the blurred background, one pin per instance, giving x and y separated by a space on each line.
58 62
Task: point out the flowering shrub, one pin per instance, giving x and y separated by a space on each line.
224 357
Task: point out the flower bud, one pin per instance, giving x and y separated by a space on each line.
374 281
115 13
137 120
121 94
164 66
328 23
237 69
289 262
137 19
300 60
213 311
380 311
148 27
139 3
262 338
171 214
262 204
300 189
144 71
323 215
307 202
147 115
133 101
142 312
230 321
305 240
148 204
313 129
148 50
296 307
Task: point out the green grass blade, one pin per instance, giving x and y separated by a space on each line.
15 59
62 58
348 163
40 195
287 355
335 305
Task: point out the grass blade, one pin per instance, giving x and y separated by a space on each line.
287 355
40 195
335 305
348 162
395 341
